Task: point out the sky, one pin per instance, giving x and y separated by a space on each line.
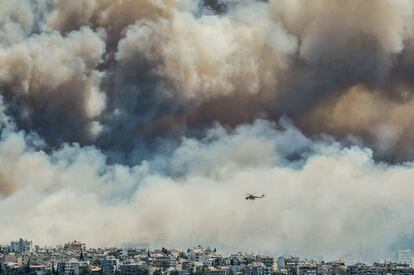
131 121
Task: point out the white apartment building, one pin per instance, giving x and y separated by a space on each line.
70 267
21 246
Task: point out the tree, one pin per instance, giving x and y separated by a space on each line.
165 251
216 262
27 268
53 268
81 257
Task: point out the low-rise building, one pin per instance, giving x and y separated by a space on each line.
70 267
257 268
110 265
75 246
132 268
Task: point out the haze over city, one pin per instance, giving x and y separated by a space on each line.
149 121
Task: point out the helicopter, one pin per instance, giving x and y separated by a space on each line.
252 197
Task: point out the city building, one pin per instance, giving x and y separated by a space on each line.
267 261
404 256
21 246
73 259
257 268
131 267
75 245
70 267
110 265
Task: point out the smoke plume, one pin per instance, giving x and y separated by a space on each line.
149 120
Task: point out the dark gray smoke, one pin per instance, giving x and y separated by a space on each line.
141 107
117 74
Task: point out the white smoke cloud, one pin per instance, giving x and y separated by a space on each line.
49 76
328 203
16 21
175 90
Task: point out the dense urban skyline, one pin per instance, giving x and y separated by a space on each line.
75 257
